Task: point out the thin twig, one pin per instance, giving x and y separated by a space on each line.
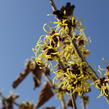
83 104
74 102
53 5
50 81
63 103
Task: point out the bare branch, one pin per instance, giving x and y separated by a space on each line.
53 5
74 102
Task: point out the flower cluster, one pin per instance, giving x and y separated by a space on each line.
57 50
103 82
63 52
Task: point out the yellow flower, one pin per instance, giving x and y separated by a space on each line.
56 47
103 85
107 73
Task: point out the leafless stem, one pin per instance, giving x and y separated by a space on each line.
53 5
50 81
74 102
63 103
83 104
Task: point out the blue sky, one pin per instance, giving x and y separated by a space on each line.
21 24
